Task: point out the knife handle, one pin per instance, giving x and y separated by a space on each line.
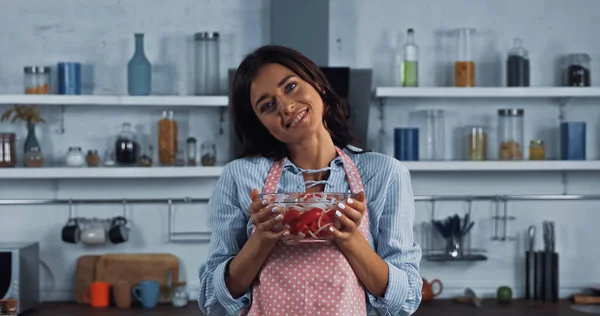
555 278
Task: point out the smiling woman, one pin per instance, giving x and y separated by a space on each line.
295 136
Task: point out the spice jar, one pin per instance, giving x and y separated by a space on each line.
34 157
208 154
180 295
8 155
476 143
464 66
510 134
9 306
167 139
191 151
37 80
536 150
578 70
92 159
75 158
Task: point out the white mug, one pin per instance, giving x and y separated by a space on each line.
93 235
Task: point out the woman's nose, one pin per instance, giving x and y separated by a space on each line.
288 106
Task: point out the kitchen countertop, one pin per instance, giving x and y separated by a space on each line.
436 307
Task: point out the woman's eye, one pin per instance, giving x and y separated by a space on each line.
290 87
266 106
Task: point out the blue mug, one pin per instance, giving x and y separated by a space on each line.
146 292
69 78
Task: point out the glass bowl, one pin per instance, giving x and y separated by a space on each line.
307 216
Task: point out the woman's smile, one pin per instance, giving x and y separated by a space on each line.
297 118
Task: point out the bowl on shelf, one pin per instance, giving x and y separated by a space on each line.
307 216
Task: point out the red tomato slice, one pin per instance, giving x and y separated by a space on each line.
307 219
290 215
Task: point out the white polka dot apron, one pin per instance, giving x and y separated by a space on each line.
309 279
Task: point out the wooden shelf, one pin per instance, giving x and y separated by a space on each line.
491 92
110 172
111 100
546 165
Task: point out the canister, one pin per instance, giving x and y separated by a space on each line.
572 141
406 144
69 78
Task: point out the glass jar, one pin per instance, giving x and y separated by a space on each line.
75 157
207 63
431 133
36 80
192 149
8 155
127 148
510 134
92 159
464 66
109 158
537 150
578 72
476 143
179 297
517 65
208 154
34 157
167 139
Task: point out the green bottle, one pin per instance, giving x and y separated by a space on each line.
410 62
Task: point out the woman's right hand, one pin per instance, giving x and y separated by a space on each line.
266 219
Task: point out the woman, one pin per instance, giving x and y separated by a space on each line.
295 137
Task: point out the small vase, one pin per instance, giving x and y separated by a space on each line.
31 140
139 70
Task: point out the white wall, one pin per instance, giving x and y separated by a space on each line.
101 36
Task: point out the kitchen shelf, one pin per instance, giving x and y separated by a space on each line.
110 172
526 165
115 100
487 92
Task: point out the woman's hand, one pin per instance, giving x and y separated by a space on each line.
267 220
349 214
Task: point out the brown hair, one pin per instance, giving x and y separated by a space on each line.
255 138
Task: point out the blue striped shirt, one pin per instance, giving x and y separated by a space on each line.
391 211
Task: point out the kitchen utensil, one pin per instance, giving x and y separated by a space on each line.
427 289
135 268
529 264
146 292
97 295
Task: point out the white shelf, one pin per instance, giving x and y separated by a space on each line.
112 100
547 165
482 92
110 172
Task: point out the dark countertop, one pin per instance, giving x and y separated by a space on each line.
436 307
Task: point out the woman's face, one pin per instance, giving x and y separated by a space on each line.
289 107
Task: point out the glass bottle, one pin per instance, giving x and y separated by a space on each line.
510 134
167 139
127 148
180 295
109 158
212 63
34 158
200 63
192 149
139 70
431 124
92 159
517 65
476 143
464 67
410 63
537 150
208 154
578 70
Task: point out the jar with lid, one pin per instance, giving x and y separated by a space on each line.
127 148
192 149
208 154
517 65
167 139
8 155
180 296
92 159
464 66
578 72
510 134
34 157
476 143
207 63
36 80
75 157
537 150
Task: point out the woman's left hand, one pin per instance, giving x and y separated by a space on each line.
349 214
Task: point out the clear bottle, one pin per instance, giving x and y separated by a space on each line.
517 65
510 134
200 62
212 63
578 72
127 148
410 63
167 139
34 157
464 66
476 143
192 150
431 125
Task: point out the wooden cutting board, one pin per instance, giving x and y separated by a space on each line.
135 268
84 275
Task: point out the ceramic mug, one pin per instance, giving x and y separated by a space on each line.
146 292
71 232
94 234
122 294
118 231
97 295
427 290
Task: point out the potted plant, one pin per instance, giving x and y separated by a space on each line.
31 116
